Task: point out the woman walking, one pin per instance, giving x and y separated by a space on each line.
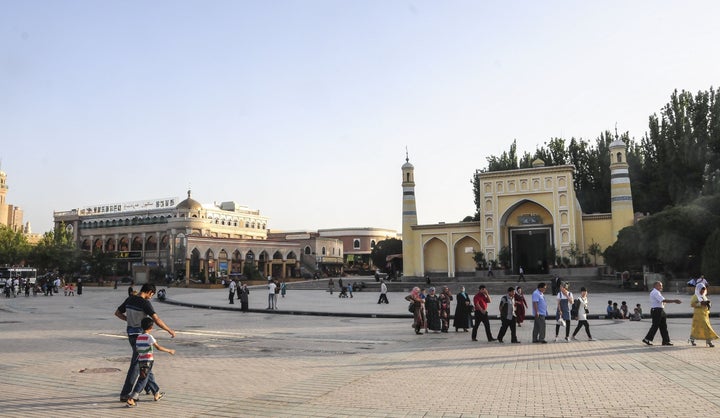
418 309
583 310
564 301
445 299
520 305
432 310
700 328
462 311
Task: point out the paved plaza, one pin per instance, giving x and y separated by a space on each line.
67 356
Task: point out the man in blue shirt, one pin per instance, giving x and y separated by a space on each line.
540 312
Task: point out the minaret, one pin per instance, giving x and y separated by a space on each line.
409 219
621 205
3 195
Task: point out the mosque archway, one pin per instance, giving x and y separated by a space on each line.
435 255
529 228
465 249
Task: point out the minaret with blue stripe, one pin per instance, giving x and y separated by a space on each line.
409 219
621 205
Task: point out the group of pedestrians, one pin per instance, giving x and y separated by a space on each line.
431 312
241 291
700 329
274 289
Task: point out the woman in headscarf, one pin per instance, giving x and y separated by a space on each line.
462 311
700 328
445 299
564 302
418 309
432 310
520 305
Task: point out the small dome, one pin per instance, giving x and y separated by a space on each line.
189 204
407 165
538 163
617 143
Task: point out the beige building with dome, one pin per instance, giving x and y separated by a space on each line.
182 238
533 213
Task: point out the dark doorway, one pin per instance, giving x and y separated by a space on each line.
529 250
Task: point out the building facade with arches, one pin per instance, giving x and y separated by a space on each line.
181 238
533 213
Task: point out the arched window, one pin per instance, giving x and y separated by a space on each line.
324 251
372 243
619 157
356 244
307 250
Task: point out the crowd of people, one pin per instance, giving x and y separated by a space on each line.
46 286
431 311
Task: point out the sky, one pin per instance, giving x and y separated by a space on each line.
304 110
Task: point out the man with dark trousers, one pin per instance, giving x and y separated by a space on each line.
507 314
657 313
480 302
132 311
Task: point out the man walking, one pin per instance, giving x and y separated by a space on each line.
383 293
540 312
132 311
480 302
657 313
507 314
521 277
232 287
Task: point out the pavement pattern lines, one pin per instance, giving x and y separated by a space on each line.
260 364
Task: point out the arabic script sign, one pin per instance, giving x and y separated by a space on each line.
168 202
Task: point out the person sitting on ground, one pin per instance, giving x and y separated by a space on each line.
609 309
624 310
637 313
616 314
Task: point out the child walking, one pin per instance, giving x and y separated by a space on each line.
145 346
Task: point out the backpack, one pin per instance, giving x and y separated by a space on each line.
575 308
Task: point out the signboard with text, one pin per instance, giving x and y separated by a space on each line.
167 202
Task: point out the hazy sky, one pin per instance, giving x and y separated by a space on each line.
303 109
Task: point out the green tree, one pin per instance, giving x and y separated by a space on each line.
504 256
573 252
14 248
594 250
710 266
56 251
382 250
99 264
479 258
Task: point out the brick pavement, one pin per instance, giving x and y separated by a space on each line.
259 364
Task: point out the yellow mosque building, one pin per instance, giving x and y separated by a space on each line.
530 211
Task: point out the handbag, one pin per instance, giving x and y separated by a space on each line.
411 307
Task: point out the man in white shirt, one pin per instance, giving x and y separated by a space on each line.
383 293
231 289
657 313
271 294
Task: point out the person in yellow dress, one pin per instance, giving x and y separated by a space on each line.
701 329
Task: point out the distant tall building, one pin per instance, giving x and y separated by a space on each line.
10 215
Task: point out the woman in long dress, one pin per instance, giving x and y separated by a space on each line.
445 299
520 305
418 309
432 310
462 311
700 328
